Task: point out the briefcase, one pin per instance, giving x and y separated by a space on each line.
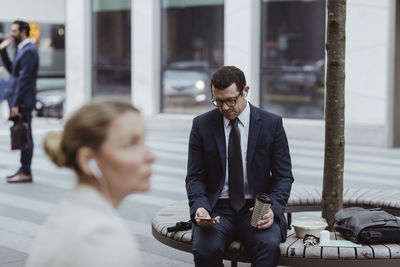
367 226
20 134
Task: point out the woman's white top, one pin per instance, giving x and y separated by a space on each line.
84 231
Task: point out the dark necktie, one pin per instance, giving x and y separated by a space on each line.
235 168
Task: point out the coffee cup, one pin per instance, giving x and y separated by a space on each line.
261 207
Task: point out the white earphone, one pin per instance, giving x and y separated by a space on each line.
98 175
94 168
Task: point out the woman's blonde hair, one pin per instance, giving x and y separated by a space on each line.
86 127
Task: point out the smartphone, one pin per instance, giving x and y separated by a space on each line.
205 219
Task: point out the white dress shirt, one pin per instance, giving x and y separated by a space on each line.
84 231
23 43
244 123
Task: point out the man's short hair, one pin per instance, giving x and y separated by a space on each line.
23 26
226 76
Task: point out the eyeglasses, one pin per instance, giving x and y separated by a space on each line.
230 102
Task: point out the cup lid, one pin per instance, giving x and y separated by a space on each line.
264 197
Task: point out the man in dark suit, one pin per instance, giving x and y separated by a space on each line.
24 69
235 152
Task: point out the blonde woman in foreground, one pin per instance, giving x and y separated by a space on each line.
103 142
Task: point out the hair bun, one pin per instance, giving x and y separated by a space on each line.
52 147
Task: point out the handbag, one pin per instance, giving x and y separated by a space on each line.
367 226
20 133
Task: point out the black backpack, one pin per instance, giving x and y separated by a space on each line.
367 226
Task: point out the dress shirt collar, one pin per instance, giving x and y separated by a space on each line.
244 116
23 43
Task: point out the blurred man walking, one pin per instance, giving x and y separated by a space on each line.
24 69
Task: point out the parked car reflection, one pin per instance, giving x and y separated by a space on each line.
186 83
295 90
50 98
296 83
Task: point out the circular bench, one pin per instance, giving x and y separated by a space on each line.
293 252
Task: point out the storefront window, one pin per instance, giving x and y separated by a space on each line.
111 47
49 40
293 58
192 49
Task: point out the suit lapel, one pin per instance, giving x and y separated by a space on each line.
254 130
220 138
17 58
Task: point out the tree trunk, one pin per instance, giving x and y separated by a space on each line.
332 193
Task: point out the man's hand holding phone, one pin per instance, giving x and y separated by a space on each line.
204 219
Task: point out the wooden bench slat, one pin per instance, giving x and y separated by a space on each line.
345 191
390 201
164 230
308 197
313 252
294 198
373 200
345 253
170 234
380 252
294 201
330 253
368 194
296 249
365 252
390 196
319 193
187 236
179 235
159 227
394 250
312 197
360 192
349 195
305 196
291 238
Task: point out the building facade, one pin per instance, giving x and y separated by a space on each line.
47 18
161 53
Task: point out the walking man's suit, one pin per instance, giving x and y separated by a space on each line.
24 69
266 168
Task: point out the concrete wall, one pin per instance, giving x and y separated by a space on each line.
42 11
369 70
78 53
244 49
146 55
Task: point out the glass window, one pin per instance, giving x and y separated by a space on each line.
51 48
49 40
293 58
50 43
192 49
111 47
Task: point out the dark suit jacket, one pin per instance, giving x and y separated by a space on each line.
268 161
23 78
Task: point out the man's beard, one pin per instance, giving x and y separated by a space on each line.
17 40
